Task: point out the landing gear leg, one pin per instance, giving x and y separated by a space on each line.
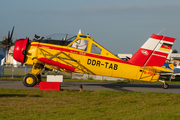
39 78
34 77
164 85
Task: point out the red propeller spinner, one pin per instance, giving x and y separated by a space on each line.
20 50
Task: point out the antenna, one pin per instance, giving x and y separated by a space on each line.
79 31
161 31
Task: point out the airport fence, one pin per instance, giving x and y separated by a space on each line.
21 70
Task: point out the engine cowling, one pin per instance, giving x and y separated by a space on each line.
20 50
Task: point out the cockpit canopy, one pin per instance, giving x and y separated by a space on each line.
58 39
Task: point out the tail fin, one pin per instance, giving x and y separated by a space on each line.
154 51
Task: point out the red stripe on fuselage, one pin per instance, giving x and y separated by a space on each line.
80 53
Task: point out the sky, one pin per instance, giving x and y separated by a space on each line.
121 26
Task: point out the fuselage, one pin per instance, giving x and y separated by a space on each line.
87 57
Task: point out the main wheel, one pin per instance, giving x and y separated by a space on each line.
165 85
29 80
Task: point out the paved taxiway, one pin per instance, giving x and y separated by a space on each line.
87 86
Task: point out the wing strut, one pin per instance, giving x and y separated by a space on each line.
86 71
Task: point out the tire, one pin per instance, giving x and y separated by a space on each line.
29 80
165 85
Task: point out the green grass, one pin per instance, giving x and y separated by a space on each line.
29 104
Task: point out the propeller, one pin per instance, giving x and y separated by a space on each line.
9 39
9 42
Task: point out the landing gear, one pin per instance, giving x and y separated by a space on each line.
34 77
39 78
29 80
164 85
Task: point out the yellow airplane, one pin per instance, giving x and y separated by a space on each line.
81 54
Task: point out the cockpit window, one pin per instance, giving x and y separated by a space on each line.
58 39
80 44
95 49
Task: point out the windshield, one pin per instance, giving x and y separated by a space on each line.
61 36
58 39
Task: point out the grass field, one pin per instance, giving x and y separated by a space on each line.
31 104
75 105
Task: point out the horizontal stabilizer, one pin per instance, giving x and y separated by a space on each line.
162 70
159 69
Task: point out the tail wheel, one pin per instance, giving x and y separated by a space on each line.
29 80
165 85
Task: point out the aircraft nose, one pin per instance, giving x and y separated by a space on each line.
20 50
